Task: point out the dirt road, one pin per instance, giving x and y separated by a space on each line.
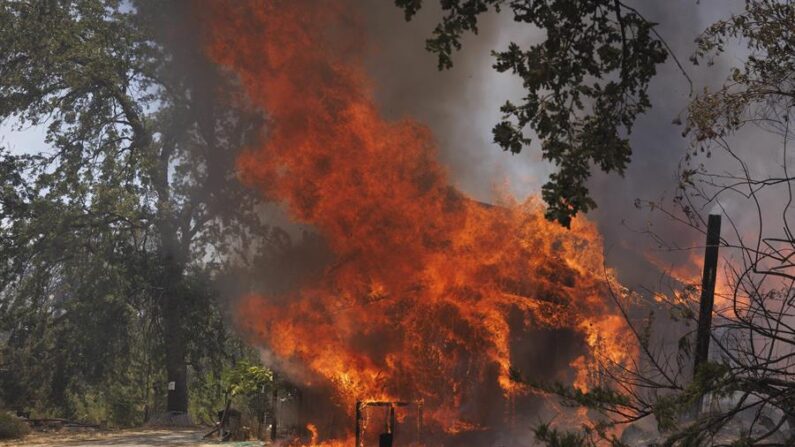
125 438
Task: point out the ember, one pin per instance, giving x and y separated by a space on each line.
418 304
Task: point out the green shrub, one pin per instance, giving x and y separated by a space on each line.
12 427
125 411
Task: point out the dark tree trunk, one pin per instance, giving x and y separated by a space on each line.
175 340
274 416
176 370
178 375
173 299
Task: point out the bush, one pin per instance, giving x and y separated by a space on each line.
125 411
12 427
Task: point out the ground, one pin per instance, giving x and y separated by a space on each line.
125 438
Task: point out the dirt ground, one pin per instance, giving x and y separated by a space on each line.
125 438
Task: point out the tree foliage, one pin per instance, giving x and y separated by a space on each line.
760 90
586 83
112 237
247 378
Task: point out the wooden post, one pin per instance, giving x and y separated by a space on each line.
419 422
707 296
358 423
224 417
392 421
274 403
263 396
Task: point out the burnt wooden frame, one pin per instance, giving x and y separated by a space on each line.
390 407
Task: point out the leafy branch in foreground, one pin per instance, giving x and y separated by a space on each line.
247 378
586 83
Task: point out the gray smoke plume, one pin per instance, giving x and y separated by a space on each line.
461 105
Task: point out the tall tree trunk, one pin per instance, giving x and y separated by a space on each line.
173 302
174 310
175 341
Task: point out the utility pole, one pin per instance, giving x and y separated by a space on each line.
707 296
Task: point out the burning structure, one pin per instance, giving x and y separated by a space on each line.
390 421
430 293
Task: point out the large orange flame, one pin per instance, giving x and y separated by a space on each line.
417 304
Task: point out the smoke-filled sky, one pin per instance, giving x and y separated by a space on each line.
461 105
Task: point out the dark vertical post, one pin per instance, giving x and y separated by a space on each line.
274 403
707 294
419 422
392 418
224 417
263 399
386 438
358 423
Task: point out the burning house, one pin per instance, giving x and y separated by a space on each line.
431 296
233 205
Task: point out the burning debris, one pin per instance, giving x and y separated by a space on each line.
386 438
429 288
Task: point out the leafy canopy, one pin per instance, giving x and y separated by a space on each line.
247 378
112 235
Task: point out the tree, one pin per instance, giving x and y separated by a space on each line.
586 84
137 201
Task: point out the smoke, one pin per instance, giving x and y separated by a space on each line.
658 149
462 104
429 290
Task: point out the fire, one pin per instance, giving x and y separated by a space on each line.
419 301
313 430
315 442
688 272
